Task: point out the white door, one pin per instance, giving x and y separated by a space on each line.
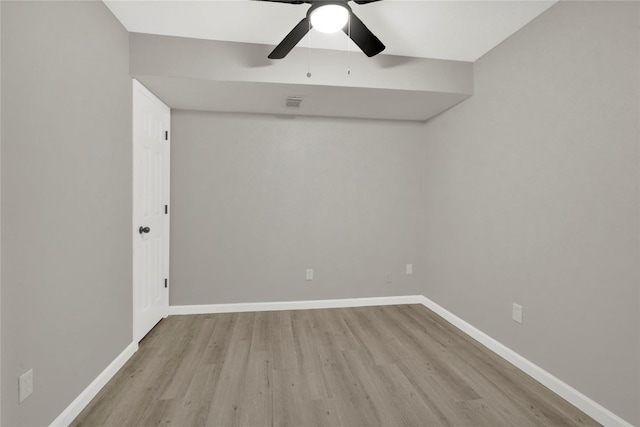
151 119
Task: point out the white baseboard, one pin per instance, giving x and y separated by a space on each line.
294 305
72 411
562 389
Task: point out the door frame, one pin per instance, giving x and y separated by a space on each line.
137 86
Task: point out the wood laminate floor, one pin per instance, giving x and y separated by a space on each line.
374 366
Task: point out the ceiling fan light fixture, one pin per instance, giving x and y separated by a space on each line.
329 18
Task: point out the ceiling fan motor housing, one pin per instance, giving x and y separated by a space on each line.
329 16
318 4
356 29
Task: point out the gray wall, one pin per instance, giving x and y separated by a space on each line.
532 196
257 199
0 218
66 201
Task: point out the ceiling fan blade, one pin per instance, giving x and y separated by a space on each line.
363 37
362 1
291 40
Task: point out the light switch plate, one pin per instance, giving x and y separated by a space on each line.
517 312
25 385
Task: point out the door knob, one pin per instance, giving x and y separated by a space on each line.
143 230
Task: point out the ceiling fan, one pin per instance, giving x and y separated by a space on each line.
329 16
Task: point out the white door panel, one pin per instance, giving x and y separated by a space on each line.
151 120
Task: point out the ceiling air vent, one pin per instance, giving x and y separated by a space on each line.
293 102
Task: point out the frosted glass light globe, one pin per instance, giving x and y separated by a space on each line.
330 18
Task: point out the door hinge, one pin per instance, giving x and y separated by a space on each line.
166 135
165 283
166 209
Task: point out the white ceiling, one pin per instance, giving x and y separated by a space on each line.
452 30
211 55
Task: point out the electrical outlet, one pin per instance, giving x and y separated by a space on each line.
517 313
389 279
409 269
25 385
309 273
